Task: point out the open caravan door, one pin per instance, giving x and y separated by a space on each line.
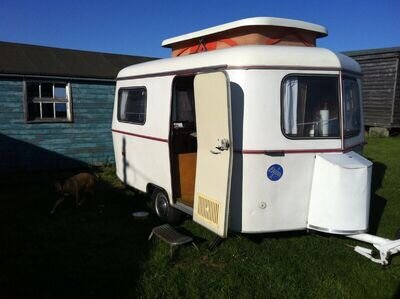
214 151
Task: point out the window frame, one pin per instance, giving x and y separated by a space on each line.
48 100
355 79
339 99
174 95
120 90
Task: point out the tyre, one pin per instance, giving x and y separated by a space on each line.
163 209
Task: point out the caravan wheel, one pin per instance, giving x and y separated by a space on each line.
161 205
164 210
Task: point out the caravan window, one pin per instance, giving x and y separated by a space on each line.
132 105
310 107
183 101
352 107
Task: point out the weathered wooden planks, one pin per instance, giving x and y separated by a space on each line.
381 87
41 146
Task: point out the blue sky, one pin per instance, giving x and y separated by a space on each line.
138 27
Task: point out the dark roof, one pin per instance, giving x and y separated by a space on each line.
372 51
22 59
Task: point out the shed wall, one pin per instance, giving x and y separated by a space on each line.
380 89
44 146
396 106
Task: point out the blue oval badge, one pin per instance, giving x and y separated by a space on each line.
275 172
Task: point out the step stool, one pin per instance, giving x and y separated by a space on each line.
169 235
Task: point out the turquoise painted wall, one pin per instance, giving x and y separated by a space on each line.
42 146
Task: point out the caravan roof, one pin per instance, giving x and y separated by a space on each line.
248 56
258 21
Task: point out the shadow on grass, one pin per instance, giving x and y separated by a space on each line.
397 294
259 238
378 203
196 239
96 250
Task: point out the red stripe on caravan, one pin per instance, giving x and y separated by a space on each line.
299 151
266 152
141 136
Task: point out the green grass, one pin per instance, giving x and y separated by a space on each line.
101 251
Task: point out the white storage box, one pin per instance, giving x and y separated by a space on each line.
340 193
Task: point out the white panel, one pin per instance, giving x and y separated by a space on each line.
257 127
158 107
213 167
146 160
262 128
280 205
340 193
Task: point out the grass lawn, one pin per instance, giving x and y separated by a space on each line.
101 251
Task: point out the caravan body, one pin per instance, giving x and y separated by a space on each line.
254 138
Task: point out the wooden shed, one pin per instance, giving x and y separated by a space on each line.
56 106
381 86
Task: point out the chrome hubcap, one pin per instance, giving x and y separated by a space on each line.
162 205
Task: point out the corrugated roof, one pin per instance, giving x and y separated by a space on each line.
23 59
372 51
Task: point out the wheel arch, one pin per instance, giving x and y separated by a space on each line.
150 188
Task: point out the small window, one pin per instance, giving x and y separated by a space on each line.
352 107
60 92
183 101
132 105
310 107
47 101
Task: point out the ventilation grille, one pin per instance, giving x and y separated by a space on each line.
209 210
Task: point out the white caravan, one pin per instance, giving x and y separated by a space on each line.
253 138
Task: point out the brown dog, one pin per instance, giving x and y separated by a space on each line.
79 185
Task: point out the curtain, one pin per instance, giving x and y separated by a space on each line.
123 105
290 105
184 106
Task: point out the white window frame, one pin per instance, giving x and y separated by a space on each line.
52 100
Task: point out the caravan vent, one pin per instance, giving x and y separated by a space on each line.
208 209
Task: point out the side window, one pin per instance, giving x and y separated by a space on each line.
132 105
47 101
310 107
352 107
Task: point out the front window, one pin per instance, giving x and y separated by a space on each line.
46 101
311 107
352 108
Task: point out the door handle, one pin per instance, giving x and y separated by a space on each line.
224 146
215 152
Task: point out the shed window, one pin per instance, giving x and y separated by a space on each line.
310 107
47 101
132 105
